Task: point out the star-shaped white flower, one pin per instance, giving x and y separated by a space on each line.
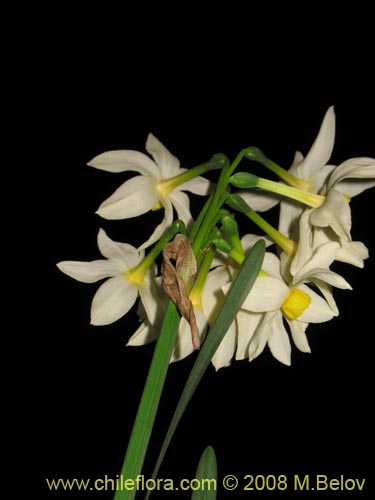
273 301
281 296
117 295
313 174
152 320
157 186
311 262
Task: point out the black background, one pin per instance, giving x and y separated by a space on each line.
82 384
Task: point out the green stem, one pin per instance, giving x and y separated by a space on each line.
217 200
254 153
236 202
309 199
196 291
215 163
285 243
285 175
148 406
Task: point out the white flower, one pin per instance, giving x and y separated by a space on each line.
272 301
350 252
207 303
117 295
149 329
313 174
156 187
233 344
338 184
311 262
308 170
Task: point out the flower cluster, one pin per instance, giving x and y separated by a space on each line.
295 285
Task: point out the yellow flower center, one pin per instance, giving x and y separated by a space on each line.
296 302
136 276
164 187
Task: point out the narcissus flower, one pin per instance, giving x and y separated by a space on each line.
160 185
125 282
314 175
273 302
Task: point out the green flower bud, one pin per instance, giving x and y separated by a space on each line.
178 226
230 226
218 160
237 203
223 245
255 154
244 180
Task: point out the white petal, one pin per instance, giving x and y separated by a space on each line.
352 252
124 160
212 296
320 178
227 347
355 168
121 252
143 335
324 275
135 197
184 345
89 272
304 248
247 324
267 294
162 227
322 257
181 203
297 159
298 329
149 330
271 265
154 301
249 240
353 187
321 150
326 291
335 213
198 185
289 215
261 335
113 300
278 342
318 310
259 201
168 164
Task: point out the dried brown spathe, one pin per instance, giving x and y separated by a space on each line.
177 279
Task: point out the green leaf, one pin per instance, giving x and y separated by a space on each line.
207 475
148 406
239 290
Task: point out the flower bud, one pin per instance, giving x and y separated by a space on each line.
237 203
244 180
223 245
218 160
230 226
255 154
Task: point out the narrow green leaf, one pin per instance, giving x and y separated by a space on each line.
239 290
207 475
148 406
